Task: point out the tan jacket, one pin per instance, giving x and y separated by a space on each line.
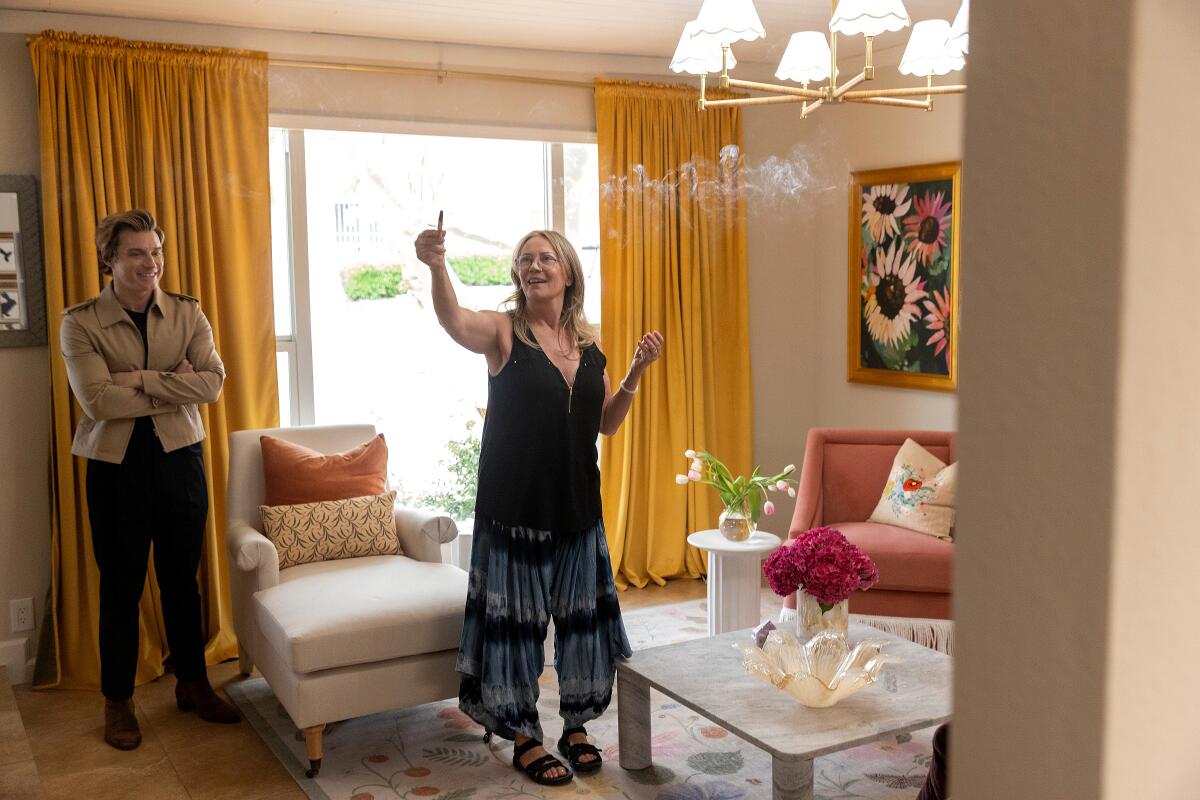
99 338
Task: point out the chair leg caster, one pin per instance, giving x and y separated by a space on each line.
314 767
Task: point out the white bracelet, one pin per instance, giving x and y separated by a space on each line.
626 388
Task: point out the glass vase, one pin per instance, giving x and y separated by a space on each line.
811 619
736 524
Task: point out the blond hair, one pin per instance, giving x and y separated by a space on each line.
572 319
108 233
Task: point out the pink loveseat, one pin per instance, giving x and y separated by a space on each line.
840 483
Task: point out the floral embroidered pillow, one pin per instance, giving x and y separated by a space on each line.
919 494
333 529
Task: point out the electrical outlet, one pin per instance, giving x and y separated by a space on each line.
20 614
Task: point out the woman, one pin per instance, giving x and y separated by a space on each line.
139 360
539 549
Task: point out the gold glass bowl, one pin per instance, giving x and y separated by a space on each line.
819 672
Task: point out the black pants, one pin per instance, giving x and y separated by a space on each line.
156 497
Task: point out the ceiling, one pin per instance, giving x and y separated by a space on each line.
619 27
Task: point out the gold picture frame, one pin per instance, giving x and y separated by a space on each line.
902 294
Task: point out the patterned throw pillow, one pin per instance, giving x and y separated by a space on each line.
919 494
333 529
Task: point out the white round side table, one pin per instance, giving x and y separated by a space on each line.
734 577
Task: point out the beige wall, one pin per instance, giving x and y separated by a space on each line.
1074 584
870 137
24 387
799 263
1152 717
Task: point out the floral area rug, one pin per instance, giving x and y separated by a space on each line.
435 751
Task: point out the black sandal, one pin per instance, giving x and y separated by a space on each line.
576 750
537 769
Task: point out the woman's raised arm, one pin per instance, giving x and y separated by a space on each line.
477 331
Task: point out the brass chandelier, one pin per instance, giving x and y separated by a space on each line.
935 47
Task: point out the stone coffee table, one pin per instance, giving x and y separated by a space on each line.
706 675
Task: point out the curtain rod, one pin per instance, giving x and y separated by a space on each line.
430 72
440 74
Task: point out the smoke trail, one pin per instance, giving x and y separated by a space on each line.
774 182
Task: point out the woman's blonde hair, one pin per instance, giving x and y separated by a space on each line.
573 321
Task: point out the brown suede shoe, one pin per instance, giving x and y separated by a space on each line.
199 696
120 725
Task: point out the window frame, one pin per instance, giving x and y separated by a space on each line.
298 345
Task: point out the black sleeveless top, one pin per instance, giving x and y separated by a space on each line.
538 462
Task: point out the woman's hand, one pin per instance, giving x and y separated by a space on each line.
183 367
648 349
431 248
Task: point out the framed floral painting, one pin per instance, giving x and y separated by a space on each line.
903 276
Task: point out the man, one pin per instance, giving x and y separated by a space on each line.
139 361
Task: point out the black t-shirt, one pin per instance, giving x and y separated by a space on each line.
139 319
538 461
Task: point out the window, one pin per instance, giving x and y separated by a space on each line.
357 337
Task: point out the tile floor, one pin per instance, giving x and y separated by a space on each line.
52 746
18 775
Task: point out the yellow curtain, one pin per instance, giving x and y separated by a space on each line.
182 132
673 258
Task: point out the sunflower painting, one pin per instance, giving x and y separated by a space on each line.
903 298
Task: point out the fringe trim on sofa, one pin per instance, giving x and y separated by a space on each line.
936 634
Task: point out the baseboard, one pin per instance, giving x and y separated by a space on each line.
14 656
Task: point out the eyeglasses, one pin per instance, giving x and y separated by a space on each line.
544 259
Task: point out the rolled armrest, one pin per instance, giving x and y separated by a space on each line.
422 533
251 552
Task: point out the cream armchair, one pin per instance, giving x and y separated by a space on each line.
340 639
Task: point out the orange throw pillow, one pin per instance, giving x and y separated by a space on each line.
295 474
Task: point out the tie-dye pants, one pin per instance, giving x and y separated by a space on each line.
520 578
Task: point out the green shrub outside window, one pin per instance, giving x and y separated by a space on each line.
482 270
455 497
374 283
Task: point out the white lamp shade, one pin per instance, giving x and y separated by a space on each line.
868 17
927 53
730 21
806 58
958 40
699 53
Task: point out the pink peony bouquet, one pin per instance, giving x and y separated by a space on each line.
822 563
